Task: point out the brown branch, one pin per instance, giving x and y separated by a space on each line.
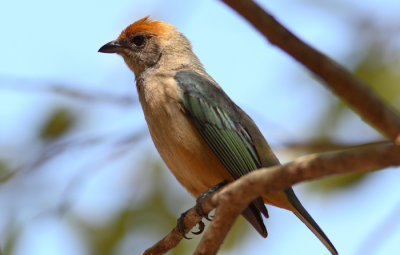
358 96
231 200
190 220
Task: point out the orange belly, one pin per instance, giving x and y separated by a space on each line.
183 150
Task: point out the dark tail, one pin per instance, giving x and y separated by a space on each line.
253 215
306 218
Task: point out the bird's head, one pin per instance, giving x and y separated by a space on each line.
143 43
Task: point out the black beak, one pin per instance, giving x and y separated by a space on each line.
111 47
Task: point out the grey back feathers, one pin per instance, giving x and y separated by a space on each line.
218 121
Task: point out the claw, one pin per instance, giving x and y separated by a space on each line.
181 227
205 194
201 228
199 209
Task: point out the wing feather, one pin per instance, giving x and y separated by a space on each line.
219 122
222 130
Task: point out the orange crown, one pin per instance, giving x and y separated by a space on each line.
147 26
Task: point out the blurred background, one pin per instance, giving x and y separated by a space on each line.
79 173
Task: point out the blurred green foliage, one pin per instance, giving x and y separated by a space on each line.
383 78
5 172
58 123
10 242
333 183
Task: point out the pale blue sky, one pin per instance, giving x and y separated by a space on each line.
50 42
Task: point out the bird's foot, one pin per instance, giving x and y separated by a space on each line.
199 209
204 195
181 225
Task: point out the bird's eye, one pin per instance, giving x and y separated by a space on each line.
138 40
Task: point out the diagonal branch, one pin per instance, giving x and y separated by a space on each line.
172 239
357 95
231 200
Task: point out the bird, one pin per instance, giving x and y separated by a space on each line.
203 137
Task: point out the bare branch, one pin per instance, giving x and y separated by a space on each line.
231 200
324 146
358 96
54 149
75 94
190 220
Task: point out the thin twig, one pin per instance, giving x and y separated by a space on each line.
357 95
190 220
71 93
324 146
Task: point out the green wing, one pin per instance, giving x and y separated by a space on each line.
218 121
